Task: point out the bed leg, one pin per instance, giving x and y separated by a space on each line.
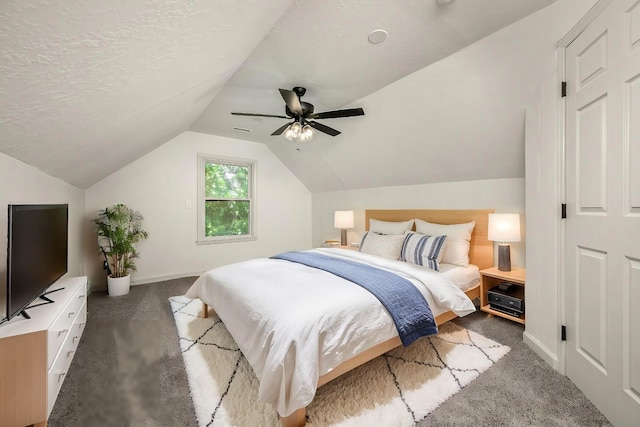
205 310
297 419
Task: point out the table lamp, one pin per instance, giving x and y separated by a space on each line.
343 220
504 228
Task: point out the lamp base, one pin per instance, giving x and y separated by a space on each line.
504 257
343 237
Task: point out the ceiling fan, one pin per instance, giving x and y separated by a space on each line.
302 114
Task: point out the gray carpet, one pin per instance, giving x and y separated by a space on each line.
128 371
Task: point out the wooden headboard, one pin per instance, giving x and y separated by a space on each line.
481 250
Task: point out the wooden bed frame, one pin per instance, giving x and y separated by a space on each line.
480 254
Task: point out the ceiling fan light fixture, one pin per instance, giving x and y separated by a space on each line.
301 129
296 130
307 133
288 133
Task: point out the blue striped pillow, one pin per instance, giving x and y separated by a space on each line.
422 250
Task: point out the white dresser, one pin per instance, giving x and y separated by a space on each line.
35 354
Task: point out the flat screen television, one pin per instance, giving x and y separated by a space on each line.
36 252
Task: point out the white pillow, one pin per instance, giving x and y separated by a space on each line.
387 246
456 247
422 250
390 227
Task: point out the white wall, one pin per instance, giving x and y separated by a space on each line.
24 184
543 200
159 184
503 195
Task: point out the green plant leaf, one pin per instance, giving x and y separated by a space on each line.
119 228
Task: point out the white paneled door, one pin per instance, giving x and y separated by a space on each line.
602 241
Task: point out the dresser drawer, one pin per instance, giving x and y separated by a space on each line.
62 324
60 366
34 357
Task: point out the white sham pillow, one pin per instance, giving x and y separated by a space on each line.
387 246
390 227
422 250
456 247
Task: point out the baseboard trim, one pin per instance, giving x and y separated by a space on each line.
144 281
164 277
541 350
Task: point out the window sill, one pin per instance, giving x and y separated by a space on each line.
226 239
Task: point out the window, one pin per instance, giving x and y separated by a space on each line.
226 192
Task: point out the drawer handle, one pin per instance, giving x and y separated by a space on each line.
71 313
61 375
70 352
81 296
64 331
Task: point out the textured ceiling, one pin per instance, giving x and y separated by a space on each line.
323 46
86 87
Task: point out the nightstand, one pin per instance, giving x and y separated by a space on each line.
351 248
492 277
331 244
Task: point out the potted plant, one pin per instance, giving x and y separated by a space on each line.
119 228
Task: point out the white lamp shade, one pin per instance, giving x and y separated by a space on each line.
504 227
344 219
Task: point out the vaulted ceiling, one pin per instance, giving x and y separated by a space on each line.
86 87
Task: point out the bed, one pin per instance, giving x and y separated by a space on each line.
337 327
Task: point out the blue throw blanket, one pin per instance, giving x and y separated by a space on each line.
406 305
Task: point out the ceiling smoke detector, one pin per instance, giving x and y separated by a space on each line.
377 36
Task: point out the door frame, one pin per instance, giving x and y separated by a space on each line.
561 48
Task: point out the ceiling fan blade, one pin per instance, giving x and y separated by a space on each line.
259 115
292 100
338 113
323 128
280 129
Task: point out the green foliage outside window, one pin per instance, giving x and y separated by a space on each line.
227 204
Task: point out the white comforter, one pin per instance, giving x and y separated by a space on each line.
295 323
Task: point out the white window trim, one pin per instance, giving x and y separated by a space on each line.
210 158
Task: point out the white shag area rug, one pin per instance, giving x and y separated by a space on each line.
396 389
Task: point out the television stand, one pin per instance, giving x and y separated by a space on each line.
50 292
35 355
26 315
46 298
